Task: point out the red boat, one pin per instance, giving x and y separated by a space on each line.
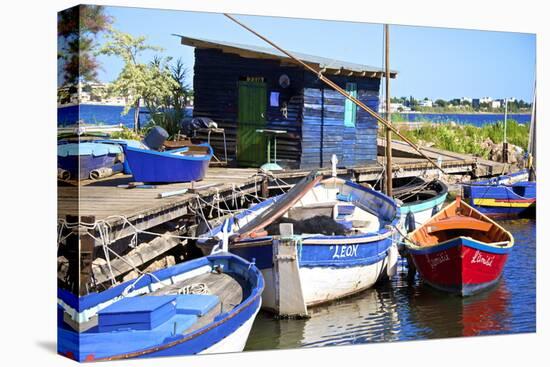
460 250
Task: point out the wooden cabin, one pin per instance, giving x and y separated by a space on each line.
249 88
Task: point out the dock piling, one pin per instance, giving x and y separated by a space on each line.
289 295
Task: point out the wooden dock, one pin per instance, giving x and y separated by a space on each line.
100 213
117 207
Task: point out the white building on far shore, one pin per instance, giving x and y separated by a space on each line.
426 103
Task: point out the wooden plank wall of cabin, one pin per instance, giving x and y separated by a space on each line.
216 76
323 129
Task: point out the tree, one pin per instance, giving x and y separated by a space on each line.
77 29
169 111
455 102
440 103
151 82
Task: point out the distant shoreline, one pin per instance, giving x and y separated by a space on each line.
460 113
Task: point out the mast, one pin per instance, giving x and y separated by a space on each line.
337 88
532 145
504 141
389 166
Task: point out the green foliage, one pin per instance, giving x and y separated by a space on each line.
77 29
126 133
151 82
468 139
169 111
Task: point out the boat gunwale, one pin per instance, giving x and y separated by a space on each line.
382 233
170 153
447 244
441 194
414 247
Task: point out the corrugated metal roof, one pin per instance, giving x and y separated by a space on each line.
331 65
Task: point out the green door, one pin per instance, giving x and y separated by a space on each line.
251 145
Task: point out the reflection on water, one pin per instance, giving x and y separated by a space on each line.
402 310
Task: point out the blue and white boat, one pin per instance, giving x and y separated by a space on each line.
419 201
505 196
329 267
207 305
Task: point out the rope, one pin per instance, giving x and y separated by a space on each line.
196 288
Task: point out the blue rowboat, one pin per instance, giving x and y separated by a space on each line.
179 165
207 305
420 200
505 196
329 266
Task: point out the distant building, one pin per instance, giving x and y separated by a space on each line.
90 93
475 102
485 100
394 107
465 99
496 104
426 103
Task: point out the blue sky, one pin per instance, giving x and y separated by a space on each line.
432 62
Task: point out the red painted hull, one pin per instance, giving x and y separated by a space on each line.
459 267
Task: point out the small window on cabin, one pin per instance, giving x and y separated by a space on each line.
350 111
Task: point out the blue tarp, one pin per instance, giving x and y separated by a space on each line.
94 149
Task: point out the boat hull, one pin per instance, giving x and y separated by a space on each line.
503 197
79 167
461 265
327 272
80 159
227 332
165 167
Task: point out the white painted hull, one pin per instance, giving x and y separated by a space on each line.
325 284
420 217
234 342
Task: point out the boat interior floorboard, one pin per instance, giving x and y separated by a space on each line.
230 289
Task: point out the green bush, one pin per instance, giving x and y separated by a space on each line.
126 133
468 139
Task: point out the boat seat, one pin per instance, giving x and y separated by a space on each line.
196 150
459 222
137 313
195 304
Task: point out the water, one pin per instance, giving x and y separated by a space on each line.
478 119
101 114
399 310
112 115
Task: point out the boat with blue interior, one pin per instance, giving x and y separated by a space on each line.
512 195
206 305
334 237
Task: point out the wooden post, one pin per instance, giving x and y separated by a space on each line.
80 254
86 250
389 166
136 117
289 298
265 188
72 254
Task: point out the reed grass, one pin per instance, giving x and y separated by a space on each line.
468 139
